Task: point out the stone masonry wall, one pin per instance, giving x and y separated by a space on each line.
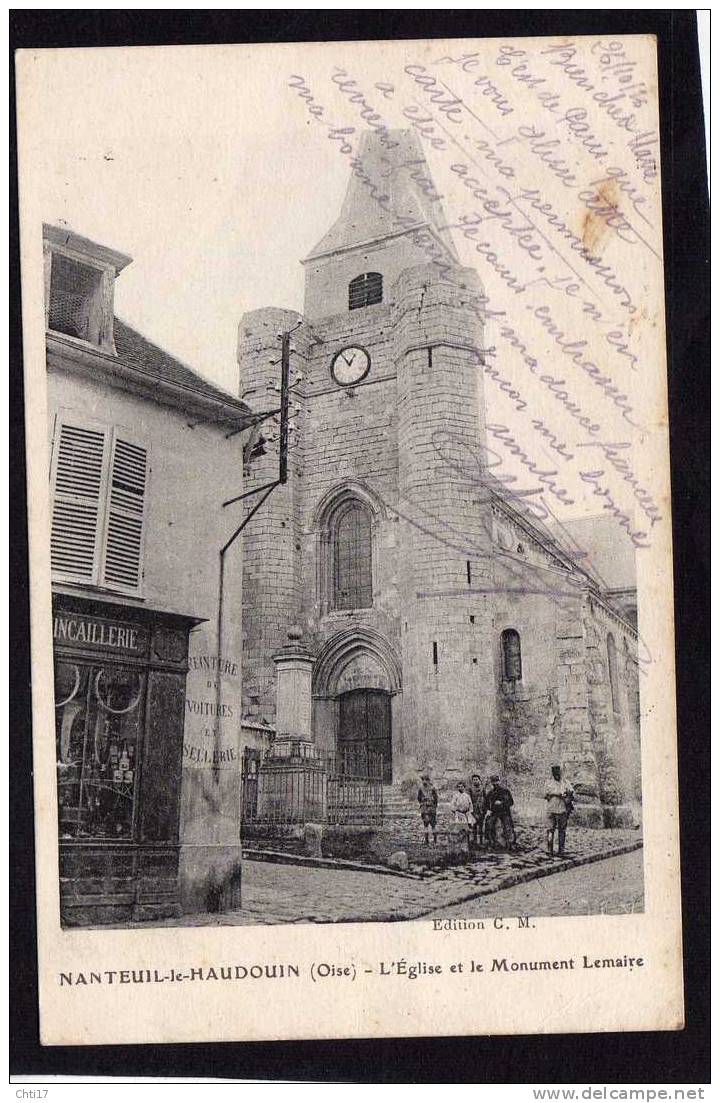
615 729
327 278
561 710
350 438
450 572
272 582
543 717
448 690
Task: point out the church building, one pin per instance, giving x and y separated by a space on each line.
446 628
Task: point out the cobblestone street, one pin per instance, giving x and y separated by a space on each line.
289 893
339 895
610 887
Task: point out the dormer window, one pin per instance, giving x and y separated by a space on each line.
79 286
76 300
365 290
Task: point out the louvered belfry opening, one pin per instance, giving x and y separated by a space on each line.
75 299
365 290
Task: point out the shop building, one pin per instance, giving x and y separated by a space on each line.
147 666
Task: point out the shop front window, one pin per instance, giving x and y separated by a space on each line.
99 710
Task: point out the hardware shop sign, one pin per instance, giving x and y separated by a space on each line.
78 631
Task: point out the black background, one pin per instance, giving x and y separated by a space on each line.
653 1058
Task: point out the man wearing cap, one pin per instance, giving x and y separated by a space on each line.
499 802
428 801
559 799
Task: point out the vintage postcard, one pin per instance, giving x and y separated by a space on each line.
350 533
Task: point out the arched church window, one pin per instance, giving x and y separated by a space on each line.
511 656
352 558
613 669
365 290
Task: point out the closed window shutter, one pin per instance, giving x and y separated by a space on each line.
122 560
78 501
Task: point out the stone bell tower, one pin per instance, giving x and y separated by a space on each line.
391 219
379 548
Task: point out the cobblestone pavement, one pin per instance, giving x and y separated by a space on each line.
485 867
611 887
279 893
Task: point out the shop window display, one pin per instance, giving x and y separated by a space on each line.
99 711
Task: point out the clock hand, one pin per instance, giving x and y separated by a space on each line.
350 361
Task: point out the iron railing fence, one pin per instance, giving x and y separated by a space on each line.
356 759
282 794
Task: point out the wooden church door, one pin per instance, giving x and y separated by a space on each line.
364 730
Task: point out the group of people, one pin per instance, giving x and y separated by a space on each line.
478 809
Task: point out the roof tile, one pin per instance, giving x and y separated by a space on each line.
136 351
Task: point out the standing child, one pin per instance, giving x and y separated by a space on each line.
428 801
461 807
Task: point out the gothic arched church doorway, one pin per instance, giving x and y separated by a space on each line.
357 697
364 729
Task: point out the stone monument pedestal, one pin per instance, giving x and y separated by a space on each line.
292 781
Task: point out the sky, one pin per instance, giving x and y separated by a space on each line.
167 163
207 167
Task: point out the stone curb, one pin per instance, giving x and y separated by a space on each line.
283 858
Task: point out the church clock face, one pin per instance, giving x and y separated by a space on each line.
350 365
